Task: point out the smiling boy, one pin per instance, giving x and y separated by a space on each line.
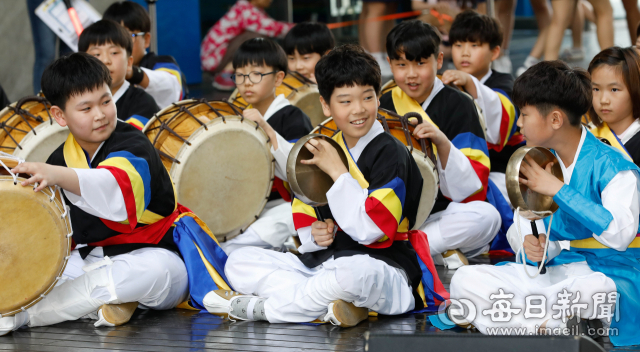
338 278
111 44
461 224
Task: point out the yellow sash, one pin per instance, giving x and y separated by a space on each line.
606 133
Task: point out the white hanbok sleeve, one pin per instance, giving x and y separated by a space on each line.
163 87
347 202
620 198
491 106
459 180
281 155
101 195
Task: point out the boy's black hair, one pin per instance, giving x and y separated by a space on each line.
346 66
553 84
309 38
260 52
416 39
637 32
130 14
73 75
470 26
105 32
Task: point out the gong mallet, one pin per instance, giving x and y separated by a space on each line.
531 205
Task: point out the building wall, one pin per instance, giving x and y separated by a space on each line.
16 53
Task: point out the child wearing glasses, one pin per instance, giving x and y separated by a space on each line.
259 67
158 75
111 44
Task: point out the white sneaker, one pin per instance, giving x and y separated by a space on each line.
503 64
572 54
530 61
218 302
9 324
453 259
345 314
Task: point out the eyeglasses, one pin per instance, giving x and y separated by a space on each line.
139 34
255 77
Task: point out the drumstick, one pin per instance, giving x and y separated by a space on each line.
534 229
75 20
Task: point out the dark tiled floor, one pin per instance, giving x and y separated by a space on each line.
182 330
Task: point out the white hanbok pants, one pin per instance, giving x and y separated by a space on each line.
478 282
272 229
299 294
154 277
469 227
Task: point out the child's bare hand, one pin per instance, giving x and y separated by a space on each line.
538 179
456 77
534 247
322 232
42 173
428 130
255 116
326 157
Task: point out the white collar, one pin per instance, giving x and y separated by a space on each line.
375 130
568 171
486 77
278 103
437 87
123 88
631 131
96 152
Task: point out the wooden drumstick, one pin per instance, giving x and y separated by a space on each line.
534 229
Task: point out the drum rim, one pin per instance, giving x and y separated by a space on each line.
67 242
15 108
178 168
39 133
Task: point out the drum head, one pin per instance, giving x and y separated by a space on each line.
225 174
33 245
38 145
307 99
430 184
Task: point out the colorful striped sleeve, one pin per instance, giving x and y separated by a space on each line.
303 215
133 176
137 121
385 208
475 149
174 70
509 134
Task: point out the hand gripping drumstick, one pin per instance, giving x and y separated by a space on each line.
75 20
534 229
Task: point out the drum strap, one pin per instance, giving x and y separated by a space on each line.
405 104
